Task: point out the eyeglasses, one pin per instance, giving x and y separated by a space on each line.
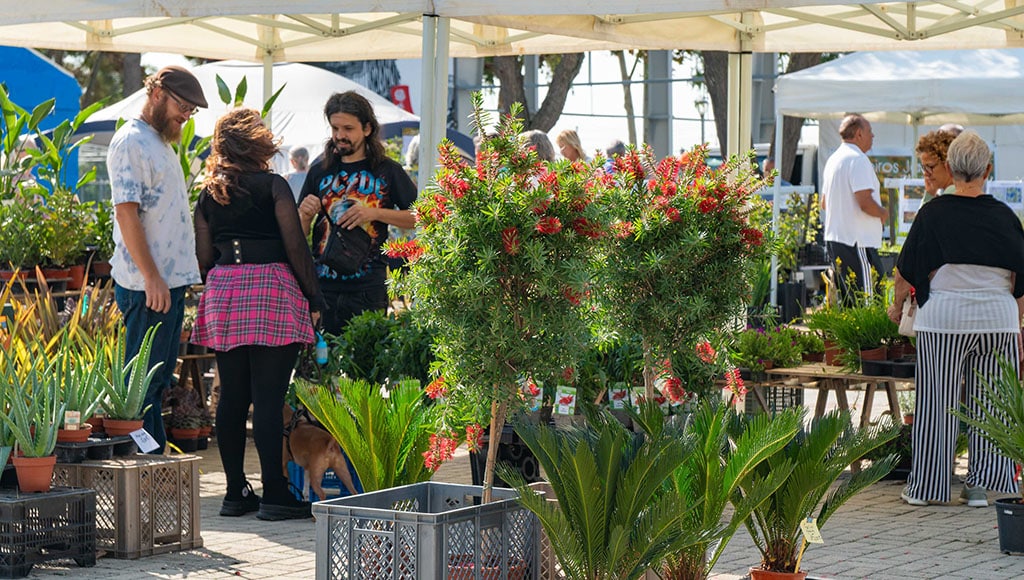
183 106
927 169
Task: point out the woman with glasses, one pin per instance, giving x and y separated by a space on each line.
931 154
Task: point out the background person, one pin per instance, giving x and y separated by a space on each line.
356 186
931 154
853 211
299 158
255 311
964 256
541 144
570 147
154 257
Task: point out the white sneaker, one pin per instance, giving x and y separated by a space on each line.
912 500
974 496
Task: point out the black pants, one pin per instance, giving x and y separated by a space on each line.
856 269
343 306
256 375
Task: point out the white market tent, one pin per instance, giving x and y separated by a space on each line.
269 31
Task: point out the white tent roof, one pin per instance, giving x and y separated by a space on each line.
298 112
972 87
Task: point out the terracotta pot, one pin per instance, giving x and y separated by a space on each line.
100 269
79 435
97 424
117 427
873 353
77 274
6 275
51 274
759 574
768 364
184 433
908 418
814 357
205 431
832 351
34 473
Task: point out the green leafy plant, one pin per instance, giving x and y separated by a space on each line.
614 517
35 405
66 224
125 389
754 347
809 343
999 414
101 236
385 437
377 347
818 457
21 243
80 378
727 449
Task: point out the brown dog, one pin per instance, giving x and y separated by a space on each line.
315 450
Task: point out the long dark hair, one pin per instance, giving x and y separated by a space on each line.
241 144
354 104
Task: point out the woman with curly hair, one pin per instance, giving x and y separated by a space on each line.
931 154
261 301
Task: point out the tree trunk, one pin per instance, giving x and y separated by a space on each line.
509 70
131 72
498 412
627 94
716 77
791 126
649 372
550 110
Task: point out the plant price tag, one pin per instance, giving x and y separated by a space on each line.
72 419
618 396
811 533
144 440
565 400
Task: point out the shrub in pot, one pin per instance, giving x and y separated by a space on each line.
818 456
80 386
124 390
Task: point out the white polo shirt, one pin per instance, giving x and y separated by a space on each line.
145 170
846 171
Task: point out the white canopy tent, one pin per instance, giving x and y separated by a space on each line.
309 30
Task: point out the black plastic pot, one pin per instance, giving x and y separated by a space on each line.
904 368
876 368
1010 517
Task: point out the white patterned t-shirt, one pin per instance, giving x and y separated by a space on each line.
145 170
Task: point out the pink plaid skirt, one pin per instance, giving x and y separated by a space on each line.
252 304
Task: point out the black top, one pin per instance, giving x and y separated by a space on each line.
338 187
262 208
953 229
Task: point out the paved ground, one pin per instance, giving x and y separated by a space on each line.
874 536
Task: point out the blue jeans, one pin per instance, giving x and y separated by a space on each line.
137 320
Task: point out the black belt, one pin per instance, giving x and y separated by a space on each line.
250 252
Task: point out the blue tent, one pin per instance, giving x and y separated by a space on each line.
31 78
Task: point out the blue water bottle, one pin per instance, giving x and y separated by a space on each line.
321 349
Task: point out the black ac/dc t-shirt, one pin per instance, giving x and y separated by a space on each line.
339 187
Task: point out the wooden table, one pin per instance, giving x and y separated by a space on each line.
827 379
189 371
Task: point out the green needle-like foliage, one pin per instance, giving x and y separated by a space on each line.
999 415
383 437
728 448
125 389
614 517
817 458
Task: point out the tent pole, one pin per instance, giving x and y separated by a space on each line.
439 118
776 206
915 122
268 86
426 112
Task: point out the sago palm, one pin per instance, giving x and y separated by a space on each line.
614 517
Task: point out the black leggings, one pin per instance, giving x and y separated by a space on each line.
256 375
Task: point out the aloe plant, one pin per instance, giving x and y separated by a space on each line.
818 457
35 406
614 517
383 437
79 378
728 449
125 389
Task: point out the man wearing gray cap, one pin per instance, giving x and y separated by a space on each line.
154 258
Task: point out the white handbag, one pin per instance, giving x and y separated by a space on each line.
907 321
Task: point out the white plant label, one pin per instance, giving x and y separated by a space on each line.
144 440
811 533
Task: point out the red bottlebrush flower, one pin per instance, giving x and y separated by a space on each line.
668 168
541 206
662 201
510 240
549 181
706 352
673 389
669 189
587 228
454 185
569 374
549 225
652 185
734 383
572 296
436 388
474 437
442 448
707 205
622 230
450 158
752 237
408 249
672 214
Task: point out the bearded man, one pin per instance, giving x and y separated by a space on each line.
355 185
154 258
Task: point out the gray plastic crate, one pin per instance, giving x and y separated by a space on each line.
426 531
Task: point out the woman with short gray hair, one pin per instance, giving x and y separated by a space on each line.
964 258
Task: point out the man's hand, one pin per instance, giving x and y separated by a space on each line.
308 209
158 295
357 215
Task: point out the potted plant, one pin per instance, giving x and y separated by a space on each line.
811 345
125 389
862 332
818 456
999 419
35 412
184 423
728 448
614 517
101 239
80 381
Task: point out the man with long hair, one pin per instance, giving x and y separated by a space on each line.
355 186
154 258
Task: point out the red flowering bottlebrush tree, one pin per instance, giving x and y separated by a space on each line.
502 270
677 266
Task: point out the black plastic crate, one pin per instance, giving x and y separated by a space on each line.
98 447
42 527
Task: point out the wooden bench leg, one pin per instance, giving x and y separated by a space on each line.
894 401
824 386
869 401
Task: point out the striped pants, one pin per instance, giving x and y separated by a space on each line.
858 265
945 362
